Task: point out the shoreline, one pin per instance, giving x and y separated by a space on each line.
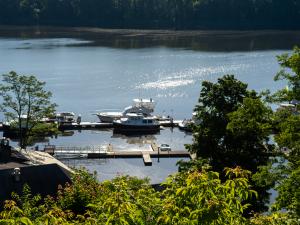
199 40
131 33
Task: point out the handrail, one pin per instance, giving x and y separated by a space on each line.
81 149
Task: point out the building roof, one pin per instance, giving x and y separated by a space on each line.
42 179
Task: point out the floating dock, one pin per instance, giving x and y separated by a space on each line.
108 152
84 125
100 125
139 154
170 123
147 159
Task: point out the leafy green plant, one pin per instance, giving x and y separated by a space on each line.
201 197
191 197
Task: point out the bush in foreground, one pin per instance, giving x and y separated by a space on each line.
193 197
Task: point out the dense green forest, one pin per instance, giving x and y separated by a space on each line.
172 14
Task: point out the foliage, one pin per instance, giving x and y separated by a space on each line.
288 184
189 198
33 7
287 137
76 197
197 164
250 126
215 102
289 63
26 102
176 14
289 192
200 196
277 218
126 200
232 127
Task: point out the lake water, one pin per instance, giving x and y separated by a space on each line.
89 72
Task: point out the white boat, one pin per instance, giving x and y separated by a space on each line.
136 123
292 107
186 125
64 117
143 106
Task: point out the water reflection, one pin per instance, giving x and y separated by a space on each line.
139 140
130 39
109 168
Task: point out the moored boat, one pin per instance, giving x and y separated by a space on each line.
136 123
185 125
65 117
143 106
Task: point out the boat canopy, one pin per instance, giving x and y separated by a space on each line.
142 102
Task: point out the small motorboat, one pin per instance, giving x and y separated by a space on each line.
186 125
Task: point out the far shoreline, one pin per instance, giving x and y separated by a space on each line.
142 32
199 40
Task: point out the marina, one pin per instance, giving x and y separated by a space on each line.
117 72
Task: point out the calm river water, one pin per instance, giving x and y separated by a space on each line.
88 72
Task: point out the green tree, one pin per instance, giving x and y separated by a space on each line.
289 63
215 102
286 171
33 7
232 129
26 102
232 126
250 126
288 183
201 197
287 137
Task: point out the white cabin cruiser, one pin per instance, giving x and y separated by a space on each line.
142 106
136 123
65 117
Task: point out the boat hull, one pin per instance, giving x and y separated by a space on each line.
184 127
125 128
108 118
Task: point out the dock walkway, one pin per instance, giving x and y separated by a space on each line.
85 125
99 125
107 151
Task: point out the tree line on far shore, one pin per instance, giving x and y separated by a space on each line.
171 14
